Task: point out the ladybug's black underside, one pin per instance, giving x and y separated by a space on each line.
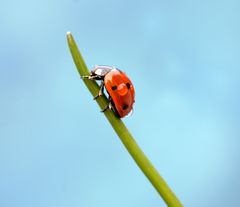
114 107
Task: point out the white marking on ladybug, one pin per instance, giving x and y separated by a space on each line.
99 72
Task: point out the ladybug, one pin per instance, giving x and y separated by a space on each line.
118 86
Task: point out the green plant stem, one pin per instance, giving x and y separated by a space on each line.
123 133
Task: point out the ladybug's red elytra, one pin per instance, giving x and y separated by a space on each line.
118 86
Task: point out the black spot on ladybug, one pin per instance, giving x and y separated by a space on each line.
128 85
125 107
114 88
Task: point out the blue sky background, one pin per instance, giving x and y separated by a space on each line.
57 149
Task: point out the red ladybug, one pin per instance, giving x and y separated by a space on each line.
118 86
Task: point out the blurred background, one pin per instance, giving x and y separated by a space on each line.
57 149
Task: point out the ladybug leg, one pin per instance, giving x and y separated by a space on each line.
109 106
93 77
100 92
90 77
105 108
84 76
